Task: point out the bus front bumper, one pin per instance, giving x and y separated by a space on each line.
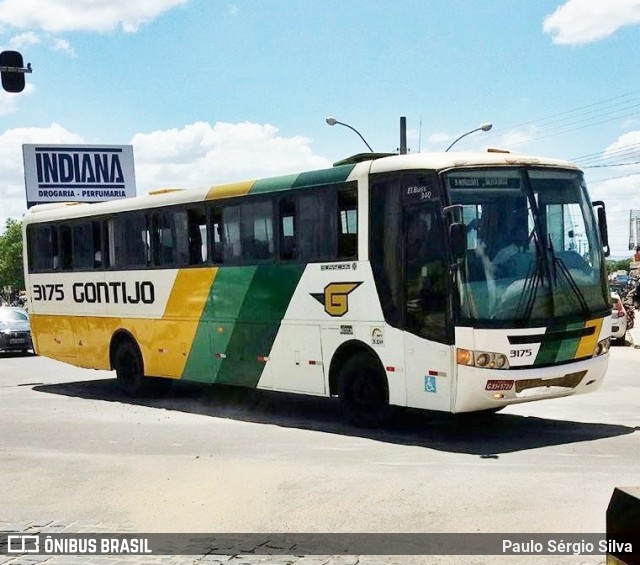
486 389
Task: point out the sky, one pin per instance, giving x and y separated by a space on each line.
211 91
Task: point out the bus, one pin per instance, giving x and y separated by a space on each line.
453 282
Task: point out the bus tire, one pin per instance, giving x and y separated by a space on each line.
363 391
129 368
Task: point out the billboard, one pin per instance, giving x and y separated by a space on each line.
78 173
634 228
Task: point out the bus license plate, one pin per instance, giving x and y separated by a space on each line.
499 385
16 341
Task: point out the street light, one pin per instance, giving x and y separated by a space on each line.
484 127
332 122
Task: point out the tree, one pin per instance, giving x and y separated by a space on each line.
11 272
613 266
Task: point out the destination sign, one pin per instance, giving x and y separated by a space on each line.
484 182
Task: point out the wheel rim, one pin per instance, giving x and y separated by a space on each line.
365 393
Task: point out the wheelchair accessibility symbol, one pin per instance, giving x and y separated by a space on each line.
430 384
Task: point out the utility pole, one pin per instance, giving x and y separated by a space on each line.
12 70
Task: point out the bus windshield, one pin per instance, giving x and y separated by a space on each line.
533 248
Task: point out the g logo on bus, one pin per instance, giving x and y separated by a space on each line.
335 298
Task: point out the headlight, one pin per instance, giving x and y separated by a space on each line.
482 359
602 347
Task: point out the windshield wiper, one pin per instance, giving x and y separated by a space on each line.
559 266
529 291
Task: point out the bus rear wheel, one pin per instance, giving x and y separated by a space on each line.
363 391
129 368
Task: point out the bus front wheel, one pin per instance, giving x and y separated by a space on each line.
363 391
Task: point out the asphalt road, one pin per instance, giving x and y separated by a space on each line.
78 455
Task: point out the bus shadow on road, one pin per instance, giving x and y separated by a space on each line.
484 435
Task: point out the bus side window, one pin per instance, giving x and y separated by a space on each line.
196 236
317 226
348 224
83 246
65 248
257 231
217 236
287 218
42 247
101 256
163 238
114 245
135 240
232 245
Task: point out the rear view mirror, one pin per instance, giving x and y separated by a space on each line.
602 225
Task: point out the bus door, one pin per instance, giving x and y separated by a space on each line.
428 364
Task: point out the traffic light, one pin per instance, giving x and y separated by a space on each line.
12 70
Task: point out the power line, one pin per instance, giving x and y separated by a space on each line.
570 111
607 166
581 117
620 149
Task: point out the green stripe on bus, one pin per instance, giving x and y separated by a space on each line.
273 184
240 321
568 347
310 178
219 315
324 176
549 348
258 321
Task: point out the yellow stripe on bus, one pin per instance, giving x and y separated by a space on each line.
229 190
165 343
588 343
174 334
189 293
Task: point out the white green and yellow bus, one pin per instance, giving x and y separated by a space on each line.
457 282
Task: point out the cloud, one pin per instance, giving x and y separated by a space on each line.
515 137
620 190
199 154
620 195
439 138
59 16
202 154
584 21
9 101
628 139
12 190
63 45
23 40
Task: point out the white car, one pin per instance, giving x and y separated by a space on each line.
618 319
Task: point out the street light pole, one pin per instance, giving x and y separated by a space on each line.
332 122
484 127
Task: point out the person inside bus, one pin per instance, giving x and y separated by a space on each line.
425 276
517 243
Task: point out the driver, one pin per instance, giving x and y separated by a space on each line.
517 243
